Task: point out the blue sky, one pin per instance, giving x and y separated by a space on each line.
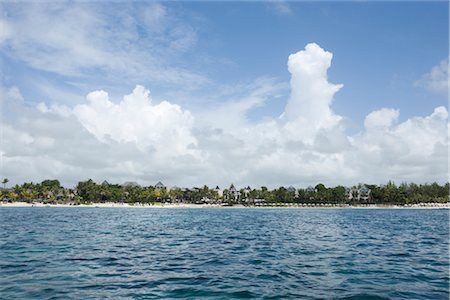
208 56
380 50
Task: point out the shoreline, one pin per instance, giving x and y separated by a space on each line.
188 205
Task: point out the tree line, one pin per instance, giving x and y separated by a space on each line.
51 191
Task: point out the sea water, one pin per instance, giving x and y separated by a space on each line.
127 253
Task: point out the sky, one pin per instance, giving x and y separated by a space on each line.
251 93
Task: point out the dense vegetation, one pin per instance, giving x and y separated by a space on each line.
51 191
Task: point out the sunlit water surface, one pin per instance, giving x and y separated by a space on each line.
86 253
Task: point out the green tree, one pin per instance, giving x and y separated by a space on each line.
87 190
322 193
51 184
338 194
282 195
175 194
4 182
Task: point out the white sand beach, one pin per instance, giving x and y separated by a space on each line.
189 205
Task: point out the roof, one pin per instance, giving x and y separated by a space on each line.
159 185
291 188
310 189
364 189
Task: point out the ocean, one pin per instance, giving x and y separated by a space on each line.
230 253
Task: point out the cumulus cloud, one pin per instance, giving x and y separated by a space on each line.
138 138
382 118
311 94
414 150
437 79
50 144
164 126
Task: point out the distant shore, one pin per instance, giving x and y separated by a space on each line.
189 205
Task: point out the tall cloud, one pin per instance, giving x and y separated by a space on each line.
311 93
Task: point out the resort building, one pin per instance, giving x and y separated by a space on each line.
160 186
292 190
246 191
310 189
218 191
364 193
360 194
232 193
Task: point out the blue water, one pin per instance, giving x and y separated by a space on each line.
88 253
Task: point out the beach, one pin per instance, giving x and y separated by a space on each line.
191 205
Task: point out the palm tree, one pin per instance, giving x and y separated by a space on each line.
5 181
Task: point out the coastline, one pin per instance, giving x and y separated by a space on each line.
188 205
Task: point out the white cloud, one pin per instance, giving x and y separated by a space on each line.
311 93
232 115
88 40
281 7
5 31
50 144
56 109
415 150
164 126
139 139
437 80
56 93
383 118
155 16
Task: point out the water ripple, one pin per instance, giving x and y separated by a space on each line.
78 253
